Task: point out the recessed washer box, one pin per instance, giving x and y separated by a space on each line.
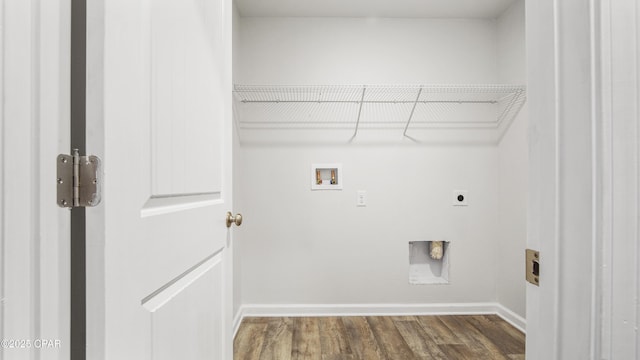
326 176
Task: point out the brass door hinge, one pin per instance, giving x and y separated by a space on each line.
533 266
79 180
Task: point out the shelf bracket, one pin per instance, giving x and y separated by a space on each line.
412 111
364 89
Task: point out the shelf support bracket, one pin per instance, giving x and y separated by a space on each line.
412 111
364 89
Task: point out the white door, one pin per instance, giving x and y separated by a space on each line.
159 116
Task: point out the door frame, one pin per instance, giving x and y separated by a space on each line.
34 128
563 177
584 197
619 246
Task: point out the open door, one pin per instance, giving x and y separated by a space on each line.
159 116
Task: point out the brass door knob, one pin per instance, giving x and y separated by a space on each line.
233 219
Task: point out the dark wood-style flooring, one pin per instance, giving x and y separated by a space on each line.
476 337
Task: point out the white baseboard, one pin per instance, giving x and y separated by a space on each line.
237 319
298 310
512 318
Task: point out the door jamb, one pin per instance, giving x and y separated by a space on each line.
34 126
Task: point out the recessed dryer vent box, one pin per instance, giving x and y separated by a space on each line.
326 177
424 268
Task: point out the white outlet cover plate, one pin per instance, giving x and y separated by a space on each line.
465 198
361 199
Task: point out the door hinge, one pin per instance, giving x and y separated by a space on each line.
79 180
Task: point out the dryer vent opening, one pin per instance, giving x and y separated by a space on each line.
429 262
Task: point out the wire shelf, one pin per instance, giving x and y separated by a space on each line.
358 107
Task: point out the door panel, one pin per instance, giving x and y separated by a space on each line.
157 262
185 316
185 48
168 250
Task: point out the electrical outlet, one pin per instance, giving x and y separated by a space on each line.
460 198
361 199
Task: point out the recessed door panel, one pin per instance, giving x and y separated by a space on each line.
186 96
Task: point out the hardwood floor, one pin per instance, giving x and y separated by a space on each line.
476 337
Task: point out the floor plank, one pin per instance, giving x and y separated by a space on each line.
418 340
363 343
507 328
440 333
476 340
248 342
459 352
468 338
333 337
389 338
485 337
278 339
306 339
509 342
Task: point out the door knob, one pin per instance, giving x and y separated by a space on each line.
233 219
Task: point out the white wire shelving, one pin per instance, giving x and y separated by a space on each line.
357 107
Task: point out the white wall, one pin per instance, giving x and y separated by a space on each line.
366 51
299 246
316 247
513 167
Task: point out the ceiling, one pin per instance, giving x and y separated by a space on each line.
376 8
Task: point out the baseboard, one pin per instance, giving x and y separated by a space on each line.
237 319
512 318
298 310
